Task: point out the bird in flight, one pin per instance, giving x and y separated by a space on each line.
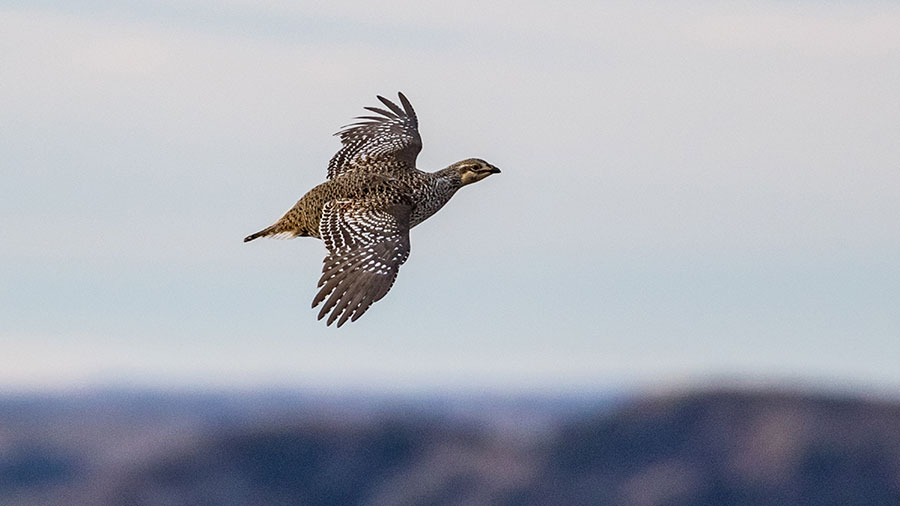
373 196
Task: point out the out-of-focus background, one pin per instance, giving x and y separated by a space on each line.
682 289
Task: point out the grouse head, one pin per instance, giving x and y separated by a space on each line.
474 169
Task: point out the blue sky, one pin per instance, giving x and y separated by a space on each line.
689 193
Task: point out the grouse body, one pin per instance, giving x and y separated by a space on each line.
363 212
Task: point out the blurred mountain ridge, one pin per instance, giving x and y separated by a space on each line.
705 448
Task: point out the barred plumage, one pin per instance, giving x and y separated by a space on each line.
378 142
363 212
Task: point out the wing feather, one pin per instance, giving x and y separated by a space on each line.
392 106
378 110
390 140
366 244
406 105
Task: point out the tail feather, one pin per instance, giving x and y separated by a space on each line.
262 233
278 231
257 235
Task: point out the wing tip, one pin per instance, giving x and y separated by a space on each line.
392 106
407 106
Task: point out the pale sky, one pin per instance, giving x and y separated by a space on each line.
691 191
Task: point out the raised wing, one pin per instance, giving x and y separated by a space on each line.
366 245
390 139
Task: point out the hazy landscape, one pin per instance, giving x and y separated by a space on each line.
283 448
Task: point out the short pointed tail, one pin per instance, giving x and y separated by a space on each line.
279 230
262 233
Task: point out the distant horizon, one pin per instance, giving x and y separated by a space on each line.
373 392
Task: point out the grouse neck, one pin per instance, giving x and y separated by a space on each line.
449 176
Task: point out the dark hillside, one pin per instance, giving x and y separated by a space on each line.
702 449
